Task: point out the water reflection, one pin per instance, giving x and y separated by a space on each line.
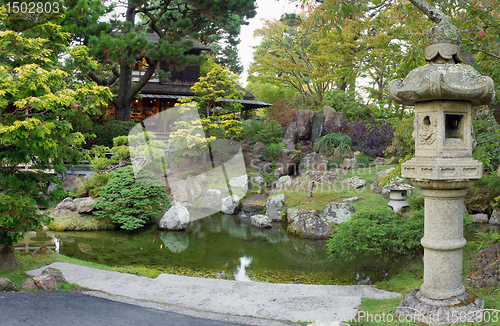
176 242
240 274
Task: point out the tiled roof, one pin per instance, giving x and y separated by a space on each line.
184 90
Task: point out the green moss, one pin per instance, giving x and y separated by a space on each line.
80 222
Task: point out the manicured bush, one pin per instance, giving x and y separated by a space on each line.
270 133
131 201
376 231
371 137
326 145
107 131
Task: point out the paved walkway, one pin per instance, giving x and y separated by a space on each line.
322 304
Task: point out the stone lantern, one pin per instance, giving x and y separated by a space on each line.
443 93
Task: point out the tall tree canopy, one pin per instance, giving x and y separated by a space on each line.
37 95
120 44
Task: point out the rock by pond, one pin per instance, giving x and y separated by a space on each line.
308 224
275 207
231 205
175 219
337 213
261 221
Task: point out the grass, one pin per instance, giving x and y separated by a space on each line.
80 222
29 262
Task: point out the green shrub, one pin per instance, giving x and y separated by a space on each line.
274 150
251 128
403 143
91 185
365 160
375 231
482 197
131 201
270 133
107 131
349 102
326 145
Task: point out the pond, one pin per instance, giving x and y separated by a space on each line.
227 244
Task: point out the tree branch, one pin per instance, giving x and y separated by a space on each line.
429 10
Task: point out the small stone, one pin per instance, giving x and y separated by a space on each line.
259 180
354 182
41 250
278 173
393 160
495 218
242 182
480 218
379 161
261 221
352 199
258 148
7 285
29 285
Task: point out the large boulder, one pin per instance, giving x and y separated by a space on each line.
242 183
337 213
284 182
304 124
291 132
289 144
179 189
49 279
354 182
261 221
213 198
85 204
258 148
378 161
486 272
480 218
7 285
275 207
289 160
350 164
495 218
175 219
308 224
311 161
7 257
29 285
65 207
231 205
329 113
376 187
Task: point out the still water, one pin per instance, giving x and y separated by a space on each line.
227 244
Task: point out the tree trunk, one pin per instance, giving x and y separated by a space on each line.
122 99
7 257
